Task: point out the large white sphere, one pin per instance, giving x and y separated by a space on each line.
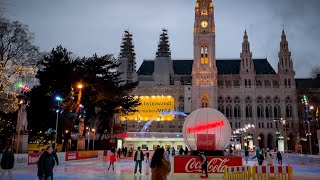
206 128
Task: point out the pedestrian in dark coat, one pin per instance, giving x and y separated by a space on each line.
7 163
279 157
46 164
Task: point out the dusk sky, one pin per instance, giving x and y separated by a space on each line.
86 27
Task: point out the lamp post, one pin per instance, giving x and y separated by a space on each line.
94 136
58 99
241 130
306 102
87 128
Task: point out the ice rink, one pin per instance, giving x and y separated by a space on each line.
97 169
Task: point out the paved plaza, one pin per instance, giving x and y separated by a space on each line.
97 170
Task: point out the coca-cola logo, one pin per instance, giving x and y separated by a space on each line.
215 165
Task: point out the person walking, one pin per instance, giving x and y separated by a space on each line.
46 164
279 157
173 152
119 153
147 155
168 154
138 158
112 159
55 156
160 166
204 162
181 151
246 155
269 158
186 151
7 163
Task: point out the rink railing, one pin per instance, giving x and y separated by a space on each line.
258 173
27 160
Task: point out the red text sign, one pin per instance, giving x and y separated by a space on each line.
33 158
216 164
70 156
205 126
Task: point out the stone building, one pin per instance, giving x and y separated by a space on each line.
244 88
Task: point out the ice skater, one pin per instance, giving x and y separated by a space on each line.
112 159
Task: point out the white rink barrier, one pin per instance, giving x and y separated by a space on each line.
294 159
30 159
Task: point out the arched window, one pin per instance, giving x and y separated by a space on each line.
268 111
260 111
289 83
221 108
245 83
229 111
236 111
248 110
285 83
181 103
288 111
204 55
249 82
204 100
276 111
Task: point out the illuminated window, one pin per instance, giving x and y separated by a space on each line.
204 100
204 55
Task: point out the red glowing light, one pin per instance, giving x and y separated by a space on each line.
205 127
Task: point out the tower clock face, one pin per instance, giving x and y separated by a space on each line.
204 24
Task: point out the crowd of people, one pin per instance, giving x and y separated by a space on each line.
264 154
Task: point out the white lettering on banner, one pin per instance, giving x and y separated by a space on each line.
33 159
72 157
213 166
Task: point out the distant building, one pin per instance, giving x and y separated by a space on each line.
245 89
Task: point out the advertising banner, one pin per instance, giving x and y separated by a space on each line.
71 156
87 154
206 141
20 161
152 108
216 164
33 158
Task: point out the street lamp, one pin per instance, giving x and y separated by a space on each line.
87 128
94 136
306 102
58 99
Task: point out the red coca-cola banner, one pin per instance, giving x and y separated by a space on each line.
33 158
70 156
216 164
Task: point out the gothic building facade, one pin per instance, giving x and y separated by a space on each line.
245 89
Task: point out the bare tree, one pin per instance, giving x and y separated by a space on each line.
18 59
315 72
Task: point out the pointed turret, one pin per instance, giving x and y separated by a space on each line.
285 64
246 65
163 68
127 58
247 72
164 46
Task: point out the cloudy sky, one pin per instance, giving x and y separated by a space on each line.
96 26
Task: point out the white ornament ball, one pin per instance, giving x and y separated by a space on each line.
207 129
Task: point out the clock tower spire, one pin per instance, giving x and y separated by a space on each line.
204 70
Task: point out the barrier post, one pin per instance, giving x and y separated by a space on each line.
272 172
